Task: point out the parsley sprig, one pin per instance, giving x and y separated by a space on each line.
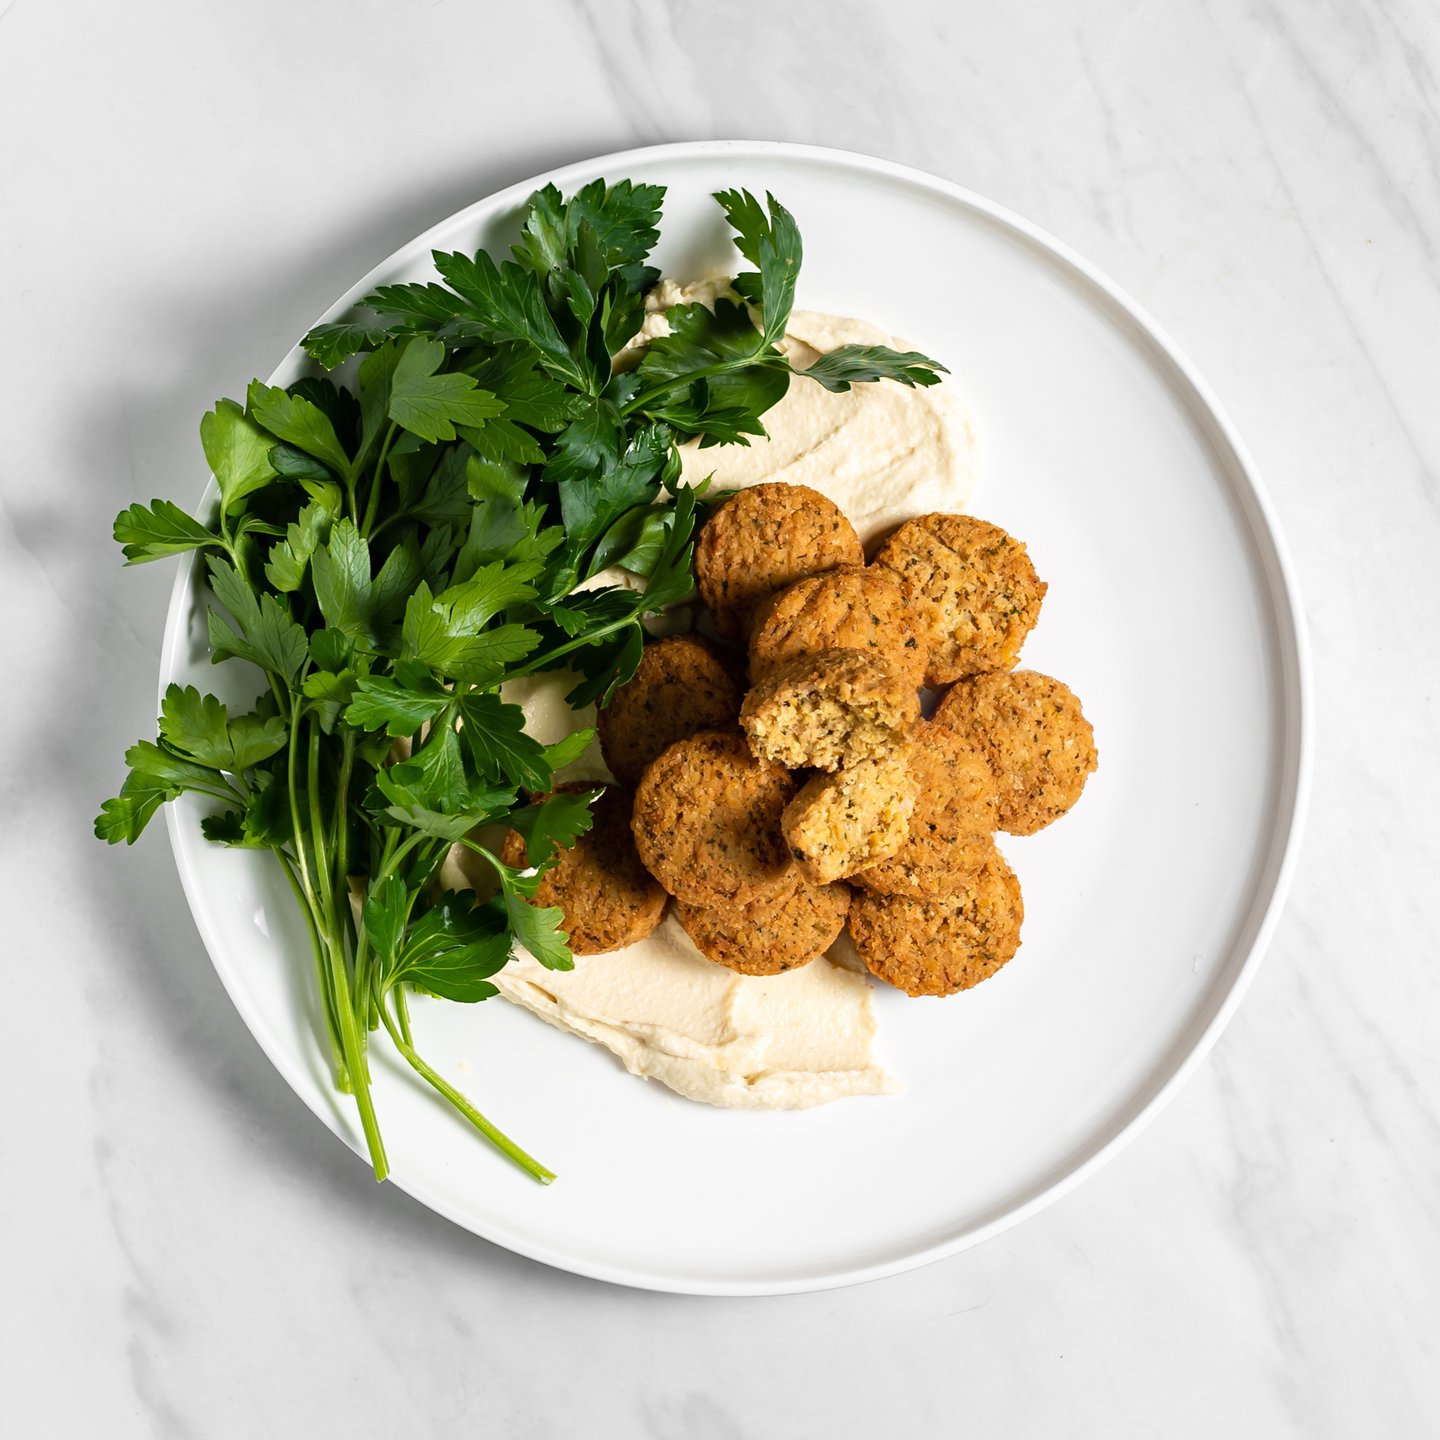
390 551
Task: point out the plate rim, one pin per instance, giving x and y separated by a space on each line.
1296 689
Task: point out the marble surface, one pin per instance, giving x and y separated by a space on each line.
186 1252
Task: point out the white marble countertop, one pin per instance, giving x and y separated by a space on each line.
180 186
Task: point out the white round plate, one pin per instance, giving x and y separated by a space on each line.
1173 614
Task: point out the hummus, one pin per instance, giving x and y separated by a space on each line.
883 454
780 1042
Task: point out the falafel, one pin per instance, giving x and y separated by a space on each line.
1032 731
942 945
707 820
855 818
952 822
682 686
977 595
829 709
772 933
851 607
762 539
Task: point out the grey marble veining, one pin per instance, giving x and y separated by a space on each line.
181 187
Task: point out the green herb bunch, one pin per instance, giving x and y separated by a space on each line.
389 551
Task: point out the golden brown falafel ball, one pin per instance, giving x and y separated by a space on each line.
772 933
761 540
609 898
1035 737
849 608
977 594
681 687
830 709
951 824
707 820
855 818
940 946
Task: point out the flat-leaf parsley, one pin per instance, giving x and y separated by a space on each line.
387 553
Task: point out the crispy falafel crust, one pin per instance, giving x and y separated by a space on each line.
952 822
762 539
682 686
1040 746
852 607
977 595
707 820
772 933
609 898
941 946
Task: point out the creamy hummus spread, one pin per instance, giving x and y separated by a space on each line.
883 454
779 1042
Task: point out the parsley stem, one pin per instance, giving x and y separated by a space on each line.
335 928
389 864
500 1141
342 813
379 868
332 946
229 795
344 1079
542 662
354 1053
402 1012
297 824
376 480
317 824
327 1000
646 398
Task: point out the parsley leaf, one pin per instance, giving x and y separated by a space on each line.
200 726
493 733
125 817
531 397
428 793
588 444
633 542
263 823
537 928
434 634
849 365
625 218
567 750
400 704
451 949
287 562
509 300
490 591
301 423
333 344
773 246
429 404
342 581
160 530
266 636
711 376
417 305
554 824
238 453
625 483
